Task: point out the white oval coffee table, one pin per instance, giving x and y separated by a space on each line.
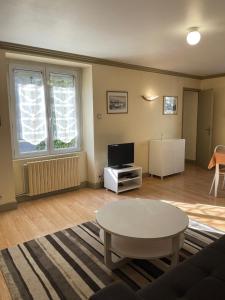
142 229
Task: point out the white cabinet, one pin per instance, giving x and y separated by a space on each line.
166 156
121 180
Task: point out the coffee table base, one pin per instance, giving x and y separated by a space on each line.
139 249
108 254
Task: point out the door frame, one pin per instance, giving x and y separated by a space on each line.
187 89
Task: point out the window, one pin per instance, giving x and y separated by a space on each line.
45 111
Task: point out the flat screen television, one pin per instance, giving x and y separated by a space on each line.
119 155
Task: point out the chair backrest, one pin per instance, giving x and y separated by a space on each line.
220 149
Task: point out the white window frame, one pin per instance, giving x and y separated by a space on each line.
45 70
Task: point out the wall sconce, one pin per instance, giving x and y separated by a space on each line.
150 98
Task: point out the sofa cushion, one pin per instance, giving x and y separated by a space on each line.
201 277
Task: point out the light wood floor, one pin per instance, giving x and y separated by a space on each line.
33 219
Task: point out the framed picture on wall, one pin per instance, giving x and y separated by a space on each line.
170 105
117 102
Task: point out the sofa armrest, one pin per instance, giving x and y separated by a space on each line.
115 291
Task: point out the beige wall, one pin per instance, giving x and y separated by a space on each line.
88 122
7 189
144 120
218 86
190 113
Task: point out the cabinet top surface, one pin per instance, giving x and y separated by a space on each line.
167 140
142 218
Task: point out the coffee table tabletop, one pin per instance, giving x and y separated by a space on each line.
142 219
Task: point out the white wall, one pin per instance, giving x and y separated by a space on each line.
190 114
144 120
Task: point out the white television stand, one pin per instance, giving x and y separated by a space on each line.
121 180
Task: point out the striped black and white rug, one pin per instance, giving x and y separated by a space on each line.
69 264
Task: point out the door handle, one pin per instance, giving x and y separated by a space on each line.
208 130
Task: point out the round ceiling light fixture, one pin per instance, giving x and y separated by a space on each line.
193 36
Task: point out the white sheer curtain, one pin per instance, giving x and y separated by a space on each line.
31 106
64 110
46 110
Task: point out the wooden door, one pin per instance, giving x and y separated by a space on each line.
204 127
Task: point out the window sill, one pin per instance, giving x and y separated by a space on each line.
49 156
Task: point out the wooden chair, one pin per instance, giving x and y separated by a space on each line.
219 171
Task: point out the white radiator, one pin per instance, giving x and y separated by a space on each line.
51 175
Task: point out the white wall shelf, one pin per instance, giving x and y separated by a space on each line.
121 180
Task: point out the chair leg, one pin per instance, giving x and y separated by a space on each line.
217 176
211 188
223 186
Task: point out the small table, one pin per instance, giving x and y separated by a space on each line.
217 159
141 229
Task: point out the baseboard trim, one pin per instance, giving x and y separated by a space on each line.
8 206
190 161
25 197
146 174
97 185
83 184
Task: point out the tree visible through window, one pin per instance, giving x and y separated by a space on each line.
45 124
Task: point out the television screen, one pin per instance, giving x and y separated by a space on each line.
120 154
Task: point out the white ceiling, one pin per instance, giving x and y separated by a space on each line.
144 32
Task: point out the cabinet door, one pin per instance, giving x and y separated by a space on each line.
167 157
155 158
